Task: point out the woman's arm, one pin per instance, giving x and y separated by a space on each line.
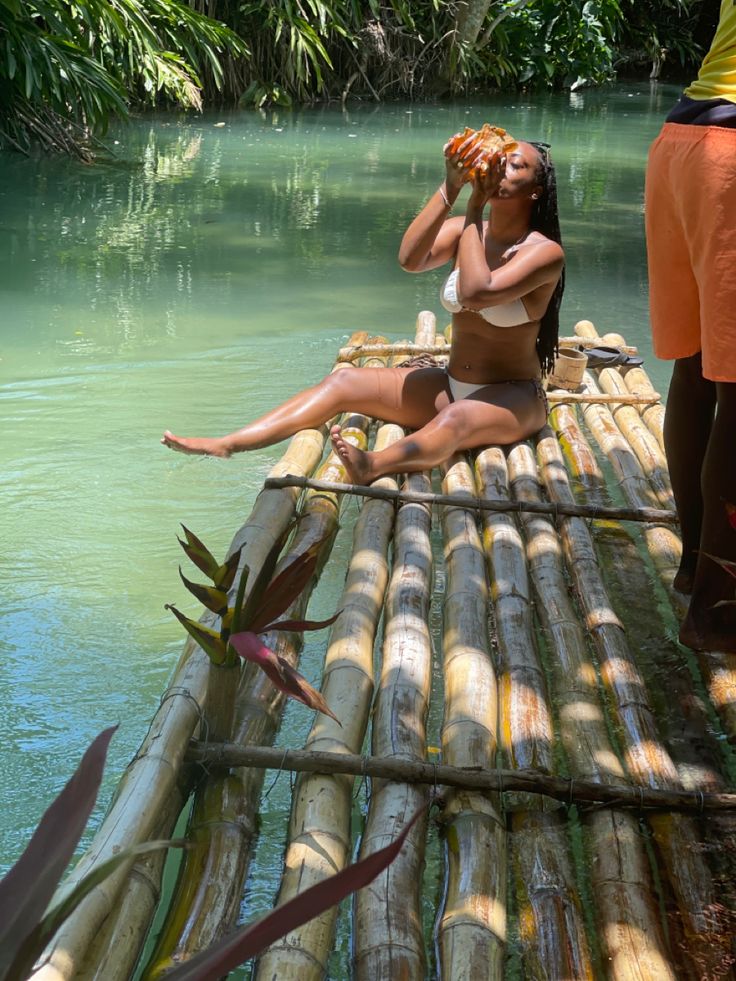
529 269
431 239
479 287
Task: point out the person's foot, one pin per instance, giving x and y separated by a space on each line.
357 462
714 630
199 446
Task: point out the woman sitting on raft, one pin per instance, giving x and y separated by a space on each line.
504 293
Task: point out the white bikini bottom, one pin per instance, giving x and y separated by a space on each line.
462 390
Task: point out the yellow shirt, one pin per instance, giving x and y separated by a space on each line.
717 76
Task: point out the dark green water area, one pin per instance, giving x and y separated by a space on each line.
214 266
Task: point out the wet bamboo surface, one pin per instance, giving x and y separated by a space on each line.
555 653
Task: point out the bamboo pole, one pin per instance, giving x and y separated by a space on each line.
322 804
555 395
635 380
683 720
644 444
388 938
209 889
718 668
115 951
353 352
319 841
687 724
551 929
625 903
662 542
479 503
664 545
151 776
646 759
564 789
471 926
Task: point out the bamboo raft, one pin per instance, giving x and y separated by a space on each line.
584 826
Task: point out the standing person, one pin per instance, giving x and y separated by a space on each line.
504 293
691 247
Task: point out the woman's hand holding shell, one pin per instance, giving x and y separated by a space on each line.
460 158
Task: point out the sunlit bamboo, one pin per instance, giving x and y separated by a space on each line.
472 926
551 926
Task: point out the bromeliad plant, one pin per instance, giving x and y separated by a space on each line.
240 625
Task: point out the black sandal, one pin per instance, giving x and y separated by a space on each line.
610 357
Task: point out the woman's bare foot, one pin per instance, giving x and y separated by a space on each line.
198 446
357 462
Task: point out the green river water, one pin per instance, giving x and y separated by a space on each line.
206 273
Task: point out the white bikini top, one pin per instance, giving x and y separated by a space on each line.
504 315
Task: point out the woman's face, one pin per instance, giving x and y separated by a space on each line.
522 174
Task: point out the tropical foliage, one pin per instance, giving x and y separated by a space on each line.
397 49
66 67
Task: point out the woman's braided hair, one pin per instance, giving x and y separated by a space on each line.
545 218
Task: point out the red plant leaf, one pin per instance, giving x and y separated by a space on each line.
301 625
283 590
214 599
731 514
233 950
199 554
726 564
258 587
26 890
251 648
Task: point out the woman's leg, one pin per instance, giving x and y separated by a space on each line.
502 413
407 396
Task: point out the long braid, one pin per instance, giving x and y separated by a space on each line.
545 218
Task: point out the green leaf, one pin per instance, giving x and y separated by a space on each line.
214 599
199 554
238 607
225 575
63 910
210 641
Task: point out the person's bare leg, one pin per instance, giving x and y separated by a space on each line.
688 420
707 626
501 413
409 397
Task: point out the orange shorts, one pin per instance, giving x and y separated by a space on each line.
691 245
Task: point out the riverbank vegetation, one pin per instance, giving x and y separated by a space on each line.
67 67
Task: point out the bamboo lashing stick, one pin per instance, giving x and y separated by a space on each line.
656 515
472 778
556 395
354 351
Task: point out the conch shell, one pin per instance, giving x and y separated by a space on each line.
491 139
